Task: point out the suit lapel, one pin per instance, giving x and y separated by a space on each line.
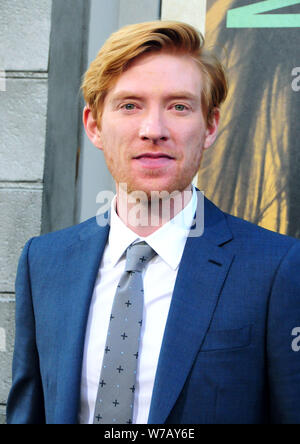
81 264
202 272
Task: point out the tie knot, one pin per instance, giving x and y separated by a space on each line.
138 255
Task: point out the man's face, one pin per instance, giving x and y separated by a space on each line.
153 132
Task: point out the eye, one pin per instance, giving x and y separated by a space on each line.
180 107
129 106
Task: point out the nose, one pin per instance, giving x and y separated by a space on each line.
153 127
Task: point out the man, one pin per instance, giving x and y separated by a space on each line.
219 308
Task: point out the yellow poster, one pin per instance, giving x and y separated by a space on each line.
253 170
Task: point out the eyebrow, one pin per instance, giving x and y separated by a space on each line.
125 95
177 95
184 95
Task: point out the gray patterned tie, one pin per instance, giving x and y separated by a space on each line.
114 404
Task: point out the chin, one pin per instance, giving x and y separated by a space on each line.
169 188
169 184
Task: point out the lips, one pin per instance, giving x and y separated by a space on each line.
153 160
154 156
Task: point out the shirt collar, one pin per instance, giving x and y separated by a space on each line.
168 241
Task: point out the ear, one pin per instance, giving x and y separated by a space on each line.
91 129
212 129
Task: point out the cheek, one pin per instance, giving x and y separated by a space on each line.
117 136
115 153
191 135
194 148
109 142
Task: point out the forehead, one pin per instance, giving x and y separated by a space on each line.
160 73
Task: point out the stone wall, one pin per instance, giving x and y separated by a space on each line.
42 55
24 51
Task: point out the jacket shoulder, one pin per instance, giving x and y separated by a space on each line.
65 237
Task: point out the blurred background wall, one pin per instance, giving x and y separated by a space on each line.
253 170
24 49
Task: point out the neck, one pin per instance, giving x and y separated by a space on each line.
145 214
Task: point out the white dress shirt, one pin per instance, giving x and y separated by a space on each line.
159 278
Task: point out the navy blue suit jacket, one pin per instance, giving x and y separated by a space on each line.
227 354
